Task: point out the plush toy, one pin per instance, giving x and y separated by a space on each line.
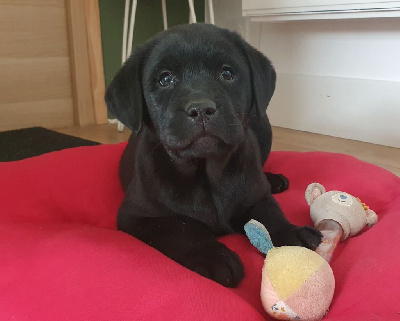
338 215
297 283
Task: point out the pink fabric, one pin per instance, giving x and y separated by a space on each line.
62 258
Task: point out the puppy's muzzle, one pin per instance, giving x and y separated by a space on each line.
201 111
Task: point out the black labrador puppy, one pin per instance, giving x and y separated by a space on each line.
195 97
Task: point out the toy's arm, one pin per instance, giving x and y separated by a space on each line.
332 233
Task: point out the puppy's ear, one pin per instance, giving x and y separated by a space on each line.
263 79
124 96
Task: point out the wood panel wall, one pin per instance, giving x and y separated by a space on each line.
47 64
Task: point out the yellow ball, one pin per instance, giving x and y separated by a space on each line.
297 284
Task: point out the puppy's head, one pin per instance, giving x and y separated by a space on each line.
196 86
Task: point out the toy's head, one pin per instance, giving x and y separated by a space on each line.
341 207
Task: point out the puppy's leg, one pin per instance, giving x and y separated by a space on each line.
188 242
282 232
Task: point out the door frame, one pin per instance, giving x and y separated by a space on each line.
86 57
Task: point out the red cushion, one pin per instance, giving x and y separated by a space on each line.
62 258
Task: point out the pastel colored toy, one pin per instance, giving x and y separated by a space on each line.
297 283
338 215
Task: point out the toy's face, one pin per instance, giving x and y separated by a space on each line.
341 207
342 199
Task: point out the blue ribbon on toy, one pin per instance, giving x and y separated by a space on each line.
258 236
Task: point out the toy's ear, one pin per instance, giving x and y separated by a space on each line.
372 218
258 236
263 78
313 191
124 96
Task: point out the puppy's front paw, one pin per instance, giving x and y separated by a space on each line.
305 236
218 263
279 183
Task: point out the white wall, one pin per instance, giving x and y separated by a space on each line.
228 14
335 77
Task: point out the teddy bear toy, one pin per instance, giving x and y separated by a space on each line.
297 283
338 215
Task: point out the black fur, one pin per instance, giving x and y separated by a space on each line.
192 169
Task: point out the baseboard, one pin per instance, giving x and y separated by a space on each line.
361 109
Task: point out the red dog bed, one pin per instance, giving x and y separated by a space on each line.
62 258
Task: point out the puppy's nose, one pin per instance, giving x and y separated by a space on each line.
201 110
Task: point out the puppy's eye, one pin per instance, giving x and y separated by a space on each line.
166 79
227 74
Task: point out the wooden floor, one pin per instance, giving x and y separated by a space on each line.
284 139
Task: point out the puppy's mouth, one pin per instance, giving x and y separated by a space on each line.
204 146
